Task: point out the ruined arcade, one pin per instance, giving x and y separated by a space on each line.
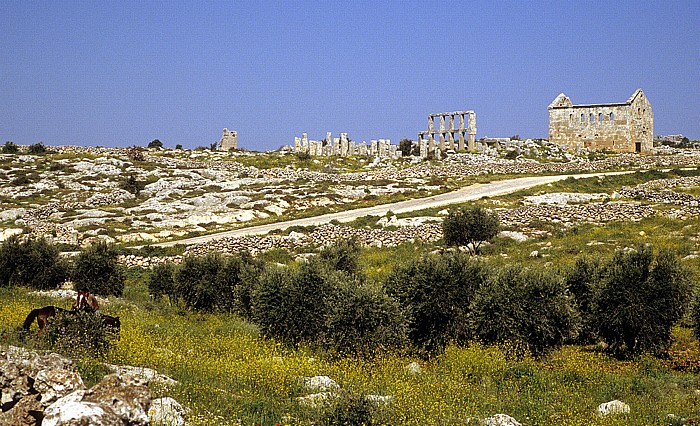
620 127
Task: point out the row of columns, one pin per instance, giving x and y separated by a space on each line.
446 134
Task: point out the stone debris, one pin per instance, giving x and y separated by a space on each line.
320 383
612 407
167 411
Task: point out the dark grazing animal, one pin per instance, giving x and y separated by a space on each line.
42 316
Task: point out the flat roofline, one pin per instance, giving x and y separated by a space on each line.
590 105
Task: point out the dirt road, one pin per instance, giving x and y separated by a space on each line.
468 193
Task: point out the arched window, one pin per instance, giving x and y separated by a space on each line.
591 118
612 117
571 118
583 118
600 117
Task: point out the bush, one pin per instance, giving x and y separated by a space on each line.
37 148
96 270
470 226
362 319
350 410
435 293
33 262
291 304
79 334
342 256
405 146
642 296
161 281
132 185
10 148
523 306
155 143
217 283
196 282
303 156
583 282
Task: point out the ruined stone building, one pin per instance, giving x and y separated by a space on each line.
622 127
228 140
449 127
343 147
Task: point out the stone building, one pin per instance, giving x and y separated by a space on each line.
228 140
622 127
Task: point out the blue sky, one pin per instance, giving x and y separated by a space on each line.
124 73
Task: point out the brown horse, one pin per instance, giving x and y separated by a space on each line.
42 316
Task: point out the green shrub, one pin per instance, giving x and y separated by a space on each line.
155 143
642 296
132 185
37 148
362 319
435 293
350 410
583 282
217 283
161 281
523 306
79 334
470 226
32 262
10 148
95 269
291 304
195 281
342 256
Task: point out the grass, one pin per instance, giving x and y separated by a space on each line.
226 373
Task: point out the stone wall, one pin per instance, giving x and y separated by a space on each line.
623 127
229 140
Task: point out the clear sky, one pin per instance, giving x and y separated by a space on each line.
124 73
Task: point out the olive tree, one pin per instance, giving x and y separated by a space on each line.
470 226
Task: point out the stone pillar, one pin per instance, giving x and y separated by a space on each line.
461 122
450 140
452 122
431 123
423 147
297 144
460 144
229 140
373 147
442 124
471 131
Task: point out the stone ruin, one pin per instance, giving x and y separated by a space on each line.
446 133
229 140
344 146
621 127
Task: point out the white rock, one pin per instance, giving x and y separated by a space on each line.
12 214
534 253
414 368
166 411
380 399
72 412
316 400
501 420
320 383
513 235
612 407
9 232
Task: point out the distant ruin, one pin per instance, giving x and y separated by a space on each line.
344 146
447 131
622 127
229 140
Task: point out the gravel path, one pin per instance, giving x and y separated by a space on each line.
469 193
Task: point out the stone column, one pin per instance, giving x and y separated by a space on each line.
461 122
471 131
305 143
452 122
297 144
431 123
460 144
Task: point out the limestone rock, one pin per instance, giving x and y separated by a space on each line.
414 368
127 397
53 384
166 411
5 234
501 420
28 411
612 407
320 383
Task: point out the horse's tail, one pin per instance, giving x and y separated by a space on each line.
30 318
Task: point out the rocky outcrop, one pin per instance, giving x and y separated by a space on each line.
46 390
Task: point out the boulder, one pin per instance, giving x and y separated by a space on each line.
501 420
320 383
612 407
166 411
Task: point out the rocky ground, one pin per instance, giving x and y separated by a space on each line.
78 195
